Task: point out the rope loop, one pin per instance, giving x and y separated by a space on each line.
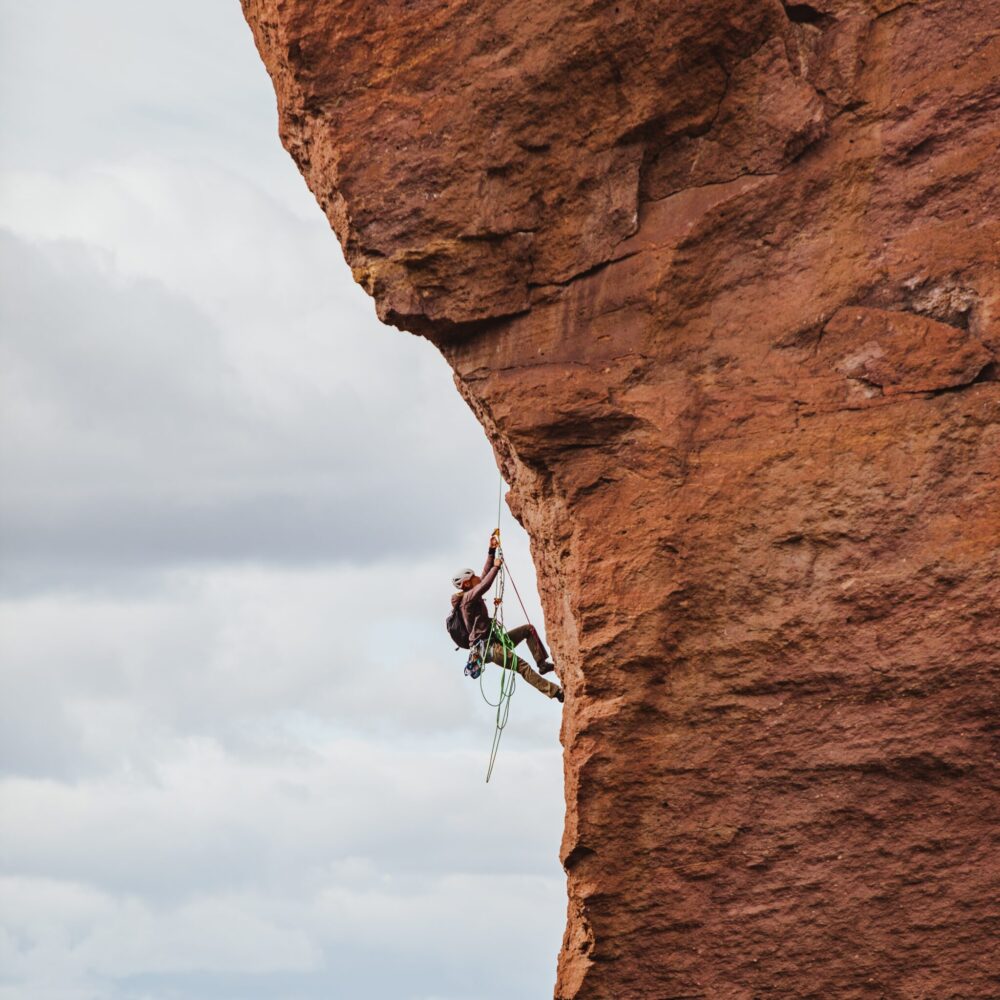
498 636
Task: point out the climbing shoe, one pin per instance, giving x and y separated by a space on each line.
560 697
547 667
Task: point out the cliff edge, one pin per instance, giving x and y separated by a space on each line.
719 278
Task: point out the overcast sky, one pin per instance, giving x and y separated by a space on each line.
238 757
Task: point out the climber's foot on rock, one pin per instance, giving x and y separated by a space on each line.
560 697
547 667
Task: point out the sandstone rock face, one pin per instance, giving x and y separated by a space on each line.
719 278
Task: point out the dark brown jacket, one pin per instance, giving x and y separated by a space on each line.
474 612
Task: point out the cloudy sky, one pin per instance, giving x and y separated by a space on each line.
238 758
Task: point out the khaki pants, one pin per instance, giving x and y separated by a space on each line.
495 653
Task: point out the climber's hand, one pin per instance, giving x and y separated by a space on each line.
498 562
495 539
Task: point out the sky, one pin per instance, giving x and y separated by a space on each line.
238 757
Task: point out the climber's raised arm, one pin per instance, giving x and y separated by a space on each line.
490 570
492 554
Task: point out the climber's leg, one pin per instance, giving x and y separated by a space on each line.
514 662
529 633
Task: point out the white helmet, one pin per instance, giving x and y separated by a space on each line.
463 576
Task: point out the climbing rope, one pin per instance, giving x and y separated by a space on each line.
499 503
498 634
519 601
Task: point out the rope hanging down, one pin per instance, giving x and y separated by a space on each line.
498 634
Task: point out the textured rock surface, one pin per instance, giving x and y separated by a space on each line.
719 278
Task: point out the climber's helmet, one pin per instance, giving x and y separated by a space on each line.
462 577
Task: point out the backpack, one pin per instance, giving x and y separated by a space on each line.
455 624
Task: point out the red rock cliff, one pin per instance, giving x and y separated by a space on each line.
719 278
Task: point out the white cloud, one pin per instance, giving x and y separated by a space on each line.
109 936
242 655
142 439
220 864
239 758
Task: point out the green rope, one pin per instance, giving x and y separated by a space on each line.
508 675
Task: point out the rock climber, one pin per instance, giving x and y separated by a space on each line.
470 626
